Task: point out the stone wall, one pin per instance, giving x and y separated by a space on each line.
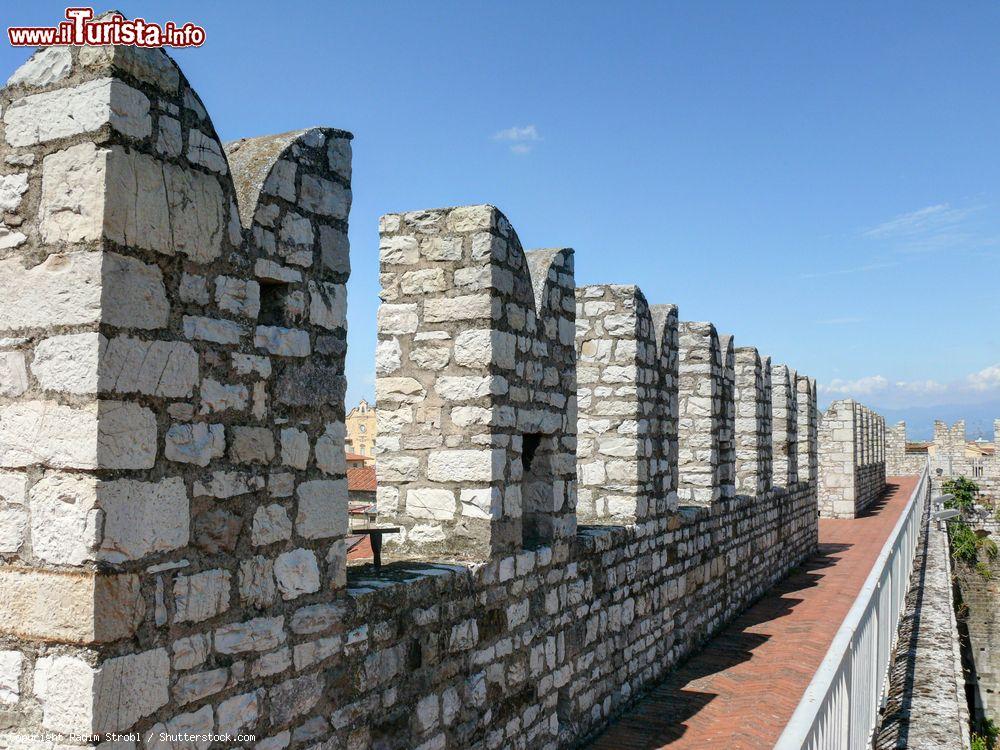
852 465
981 617
948 457
171 414
172 449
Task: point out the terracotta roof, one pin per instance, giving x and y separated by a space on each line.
359 547
361 479
356 457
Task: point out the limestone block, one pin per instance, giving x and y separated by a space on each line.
92 608
13 487
65 686
226 484
283 342
217 397
64 520
281 181
142 518
12 188
195 443
44 67
388 356
154 368
126 436
465 388
401 250
462 465
196 725
73 187
294 448
330 449
65 289
168 136
205 150
256 580
212 329
50 434
434 504
251 445
201 596
129 688
237 713
81 109
295 697
13 522
295 239
134 295
251 364
455 309
296 573
481 503
325 197
322 508
163 207
151 65
238 296
260 634
397 319
270 524
10 239
190 652
68 363
11 663
442 248
328 305
334 249
13 374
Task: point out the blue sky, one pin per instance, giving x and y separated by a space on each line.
819 179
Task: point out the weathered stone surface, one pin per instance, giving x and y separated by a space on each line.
283 342
42 68
142 518
65 289
430 503
294 697
195 443
322 509
13 374
296 573
256 581
92 608
154 368
270 524
64 519
130 687
294 448
84 108
133 295
237 713
460 466
72 203
111 435
238 296
201 596
11 663
261 634
68 363
217 531
251 445
311 384
328 305
219 397
325 197
212 329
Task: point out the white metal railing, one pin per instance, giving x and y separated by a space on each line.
840 707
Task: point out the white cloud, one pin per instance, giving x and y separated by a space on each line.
878 390
521 137
933 228
846 271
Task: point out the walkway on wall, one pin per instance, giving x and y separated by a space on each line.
741 689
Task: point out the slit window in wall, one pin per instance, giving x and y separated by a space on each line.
273 303
539 491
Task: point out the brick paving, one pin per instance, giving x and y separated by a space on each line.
740 691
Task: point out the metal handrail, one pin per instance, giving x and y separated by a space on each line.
840 707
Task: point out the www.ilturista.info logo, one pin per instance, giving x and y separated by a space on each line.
80 29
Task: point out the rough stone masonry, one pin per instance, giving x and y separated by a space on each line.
172 339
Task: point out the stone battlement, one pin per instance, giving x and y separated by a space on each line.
948 455
852 459
602 485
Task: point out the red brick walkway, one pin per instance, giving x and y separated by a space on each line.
740 692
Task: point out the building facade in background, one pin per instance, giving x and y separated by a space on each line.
361 430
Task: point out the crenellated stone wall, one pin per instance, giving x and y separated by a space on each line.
948 455
851 453
171 446
172 460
